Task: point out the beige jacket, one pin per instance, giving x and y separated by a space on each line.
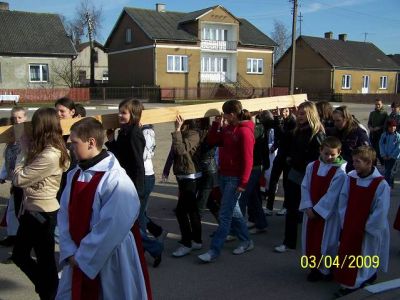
40 180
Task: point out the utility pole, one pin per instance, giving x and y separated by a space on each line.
89 22
293 57
300 21
365 36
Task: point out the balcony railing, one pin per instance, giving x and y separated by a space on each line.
218 45
213 77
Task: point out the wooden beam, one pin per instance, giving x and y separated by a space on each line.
167 114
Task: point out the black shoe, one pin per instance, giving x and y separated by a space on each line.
157 261
8 241
315 275
343 292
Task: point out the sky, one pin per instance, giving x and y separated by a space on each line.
376 21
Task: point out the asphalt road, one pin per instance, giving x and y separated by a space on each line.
259 274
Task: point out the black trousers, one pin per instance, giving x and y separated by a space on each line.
18 196
37 233
187 212
279 165
293 215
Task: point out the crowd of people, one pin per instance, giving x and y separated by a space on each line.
91 195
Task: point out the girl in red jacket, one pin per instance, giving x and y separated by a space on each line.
236 142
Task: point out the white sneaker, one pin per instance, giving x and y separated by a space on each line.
196 246
281 212
181 251
207 257
268 212
230 238
281 248
244 248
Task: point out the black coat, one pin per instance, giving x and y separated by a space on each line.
128 149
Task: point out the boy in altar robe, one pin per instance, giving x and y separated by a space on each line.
364 203
99 206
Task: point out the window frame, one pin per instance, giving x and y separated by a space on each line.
183 62
254 64
40 65
128 35
344 84
385 81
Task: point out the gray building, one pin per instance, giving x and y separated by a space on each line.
35 51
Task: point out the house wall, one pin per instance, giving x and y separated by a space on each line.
356 81
256 80
82 63
312 72
139 38
177 80
15 72
132 68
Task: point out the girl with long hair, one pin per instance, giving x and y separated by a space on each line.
304 144
38 172
349 132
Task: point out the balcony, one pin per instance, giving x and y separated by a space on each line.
215 77
218 45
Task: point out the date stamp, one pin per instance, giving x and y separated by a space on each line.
347 261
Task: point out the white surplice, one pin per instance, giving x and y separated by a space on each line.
327 208
109 249
376 233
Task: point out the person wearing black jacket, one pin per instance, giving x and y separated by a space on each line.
305 141
128 148
283 124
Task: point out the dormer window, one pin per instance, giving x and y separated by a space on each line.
128 35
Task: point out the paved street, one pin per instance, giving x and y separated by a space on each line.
259 274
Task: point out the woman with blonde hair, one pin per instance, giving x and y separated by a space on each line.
305 141
38 172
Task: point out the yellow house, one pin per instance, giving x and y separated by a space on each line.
188 50
338 66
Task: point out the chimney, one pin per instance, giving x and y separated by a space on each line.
329 35
4 6
343 37
160 7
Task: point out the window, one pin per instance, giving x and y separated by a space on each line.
39 73
383 83
0 74
215 34
214 64
346 82
177 63
128 35
255 65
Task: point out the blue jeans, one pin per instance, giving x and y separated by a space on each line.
389 164
251 200
149 182
230 215
153 246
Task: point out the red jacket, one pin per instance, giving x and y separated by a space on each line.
236 149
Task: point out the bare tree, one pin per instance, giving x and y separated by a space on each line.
87 22
62 71
281 36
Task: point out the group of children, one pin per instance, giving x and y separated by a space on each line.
345 217
102 220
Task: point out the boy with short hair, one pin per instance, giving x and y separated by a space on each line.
99 206
17 116
364 203
319 200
